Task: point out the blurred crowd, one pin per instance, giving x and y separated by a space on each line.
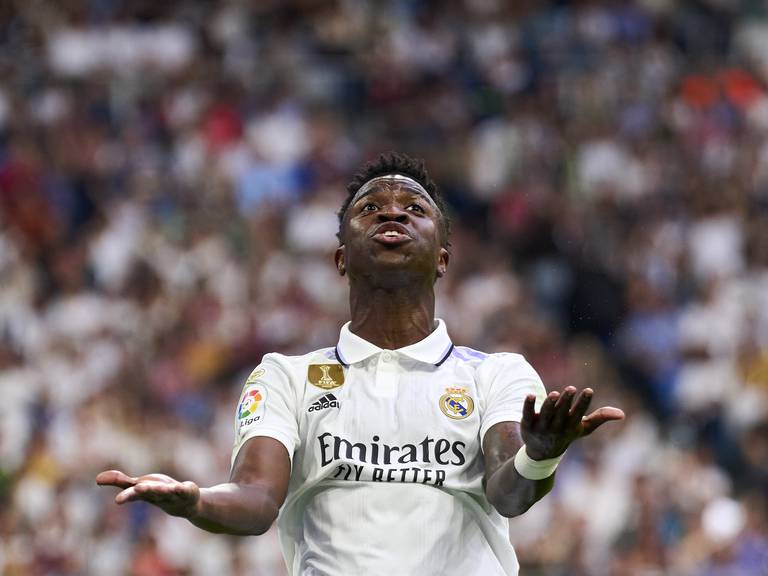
170 174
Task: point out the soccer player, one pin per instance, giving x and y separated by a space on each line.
394 451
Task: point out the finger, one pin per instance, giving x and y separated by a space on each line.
529 412
547 411
164 478
151 492
600 417
127 495
115 478
562 409
156 490
579 407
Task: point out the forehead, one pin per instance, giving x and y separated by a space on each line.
390 187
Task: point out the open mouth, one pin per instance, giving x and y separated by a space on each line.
391 234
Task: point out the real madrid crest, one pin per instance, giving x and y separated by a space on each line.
456 404
325 376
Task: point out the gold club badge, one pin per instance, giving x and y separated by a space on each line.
326 376
456 404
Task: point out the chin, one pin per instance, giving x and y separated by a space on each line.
391 259
398 269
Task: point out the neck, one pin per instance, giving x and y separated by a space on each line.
392 318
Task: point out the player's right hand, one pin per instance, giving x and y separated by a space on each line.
174 497
563 418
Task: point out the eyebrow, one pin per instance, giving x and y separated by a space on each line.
410 189
403 181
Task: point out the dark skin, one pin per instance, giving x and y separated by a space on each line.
393 252
392 298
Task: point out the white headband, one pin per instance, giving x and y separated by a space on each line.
366 188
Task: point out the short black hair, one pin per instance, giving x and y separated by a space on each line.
396 163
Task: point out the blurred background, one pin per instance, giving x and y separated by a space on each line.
170 174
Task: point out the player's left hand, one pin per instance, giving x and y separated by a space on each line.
174 497
560 421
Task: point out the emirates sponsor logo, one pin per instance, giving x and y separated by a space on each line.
377 461
430 450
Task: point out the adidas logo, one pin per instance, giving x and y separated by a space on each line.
327 401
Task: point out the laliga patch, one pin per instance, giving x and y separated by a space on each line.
456 403
257 373
325 376
251 407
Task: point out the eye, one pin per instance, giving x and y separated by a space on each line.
369 207
415 208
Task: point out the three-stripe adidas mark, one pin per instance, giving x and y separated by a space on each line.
327 401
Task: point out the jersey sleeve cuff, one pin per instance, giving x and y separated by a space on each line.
278 435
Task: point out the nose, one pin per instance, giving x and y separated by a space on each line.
392 213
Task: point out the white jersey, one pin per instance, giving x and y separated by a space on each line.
385 447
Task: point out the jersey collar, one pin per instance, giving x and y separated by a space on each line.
434 349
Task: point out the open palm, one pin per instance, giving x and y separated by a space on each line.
560 421
174 497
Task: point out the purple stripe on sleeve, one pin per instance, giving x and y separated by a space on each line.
473 353
457 353
468 354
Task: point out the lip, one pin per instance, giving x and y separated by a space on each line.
402 234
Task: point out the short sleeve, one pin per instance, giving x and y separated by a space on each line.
267 407
505 380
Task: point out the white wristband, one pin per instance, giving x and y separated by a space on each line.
535 469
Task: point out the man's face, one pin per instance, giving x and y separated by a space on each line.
392 229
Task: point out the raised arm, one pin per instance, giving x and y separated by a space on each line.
546 435
246 505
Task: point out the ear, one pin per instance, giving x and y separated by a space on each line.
338 257
442 262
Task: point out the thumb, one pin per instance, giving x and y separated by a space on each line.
115 478
599 417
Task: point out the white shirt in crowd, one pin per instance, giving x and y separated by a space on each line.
385 446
